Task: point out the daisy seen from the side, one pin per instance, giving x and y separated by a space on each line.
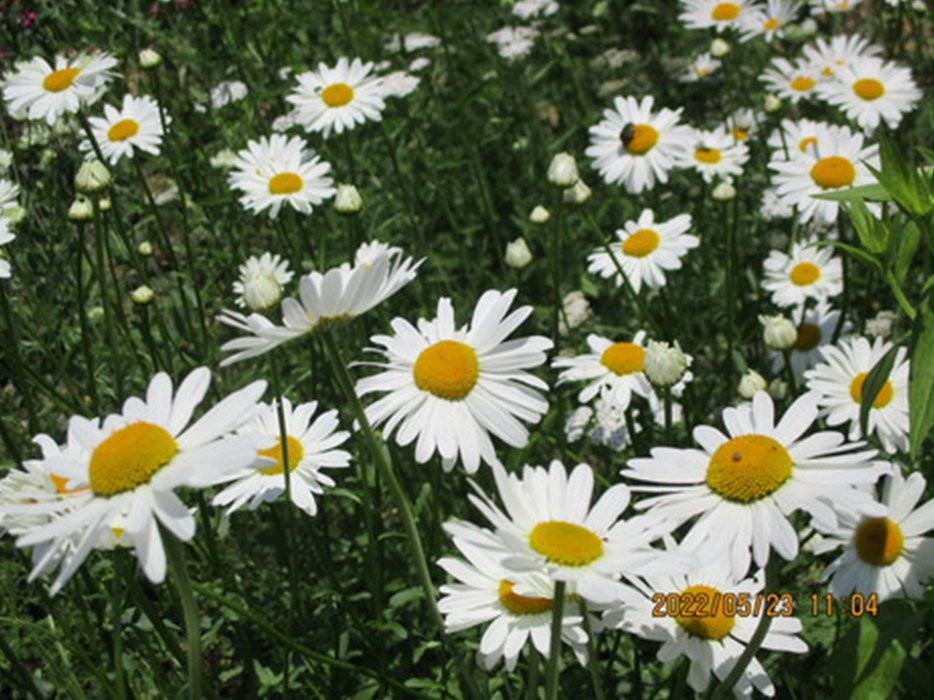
261 281
740 488
646 249
449 388
338 98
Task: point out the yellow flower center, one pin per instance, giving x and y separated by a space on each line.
770 24
123 129
641 243
285 183
803 83
703 625
520 604
623 358
740 134
337 95
130 457
293 449
59 80
566 544
833 172
808 337
748 468
725 11
868 89
448 369
828 71
804 274
882 398
879 541
806 143
640 139
710 156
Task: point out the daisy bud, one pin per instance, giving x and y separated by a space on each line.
576 311
347 200
578 194
14 214
104 204
563 171
262 291
719 48
148 58
778 389
93 176
539 215
664 365
723 192
145 249
142 295
779 333
81 210
518 254
809 27
751 382
772 103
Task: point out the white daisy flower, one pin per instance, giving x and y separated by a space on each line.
136 125
612 371
227 92
5 237
743 123
527 9
746 486
714 639
513 43
311 446
549 525
837 160
699 68
43 91
822 7
815 330
770 21
715 153
325 300
809 271
278 170
704 14
646 249
635 146
515 607
451 387
791 81
131 464
775 207
261 281
400 84
339 98
794 138
885 556
828 56
870 90
839 381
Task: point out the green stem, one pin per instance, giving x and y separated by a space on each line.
531 691
724 689
554 654
593 655
179 569
18 669
117 614
83 322
115 365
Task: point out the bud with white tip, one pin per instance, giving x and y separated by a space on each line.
93 176
149 58
578 194
664 365
104 204
539 215
719 48
518 254
347 200
81 210
778 332
261 281
145 249
563 171
772 103
778 389
751 382
142 295
724 192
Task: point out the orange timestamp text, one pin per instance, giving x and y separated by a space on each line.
712 603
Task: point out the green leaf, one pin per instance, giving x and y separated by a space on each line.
873 384
856 252
872 233
872 193
871 655
907 246
921 381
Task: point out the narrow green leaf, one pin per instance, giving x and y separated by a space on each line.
921 381
856 252
872 233
907 246
871 193
873 384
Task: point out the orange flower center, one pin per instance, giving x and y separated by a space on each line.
123 129
448 369
337 95
805 274
879 541
833 172
641 243
882 398
285 183
59 80
640 139
294 451
623 358
520 604
725 11
868 89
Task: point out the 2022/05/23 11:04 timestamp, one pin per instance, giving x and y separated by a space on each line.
700 603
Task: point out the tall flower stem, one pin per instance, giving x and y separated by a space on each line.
724 690
83 321
115 365
531 688
179 570
554 653
593 655
117 615
381 457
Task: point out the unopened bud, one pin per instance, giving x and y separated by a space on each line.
563 171
719 48
724 192
348 200
145 249
93 176
772 103
149 58
104 204
142 295
751 383
81 210
778 332
518 254
539 215
578 194
664 365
